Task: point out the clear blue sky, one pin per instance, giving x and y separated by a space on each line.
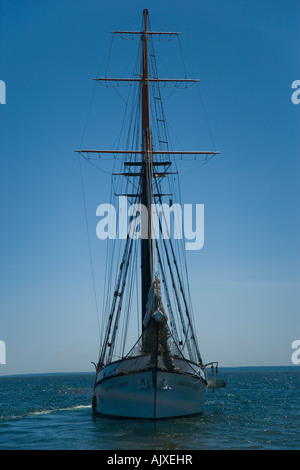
245 280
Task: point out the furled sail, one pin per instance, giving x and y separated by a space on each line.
156 332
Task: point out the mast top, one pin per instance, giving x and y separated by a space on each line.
145 14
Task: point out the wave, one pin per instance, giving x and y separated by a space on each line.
55 410
14 417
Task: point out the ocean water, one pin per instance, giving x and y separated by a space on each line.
258 409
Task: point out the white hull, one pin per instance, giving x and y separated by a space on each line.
151 394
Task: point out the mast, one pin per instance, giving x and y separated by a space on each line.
146 177
146 170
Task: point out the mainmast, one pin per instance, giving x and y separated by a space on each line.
147 170
146 177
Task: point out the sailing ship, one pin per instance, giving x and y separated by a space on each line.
161 373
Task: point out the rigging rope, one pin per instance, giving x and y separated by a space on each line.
130 135
89 247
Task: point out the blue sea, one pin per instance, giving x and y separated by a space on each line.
259 409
